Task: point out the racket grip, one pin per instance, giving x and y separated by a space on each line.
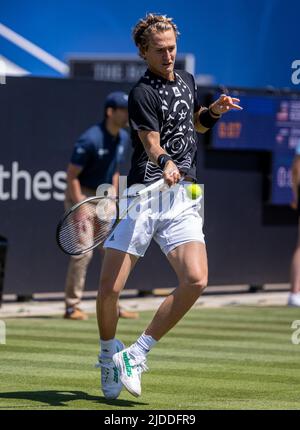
156 186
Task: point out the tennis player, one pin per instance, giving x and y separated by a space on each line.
164 115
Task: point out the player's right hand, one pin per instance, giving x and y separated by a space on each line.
171 173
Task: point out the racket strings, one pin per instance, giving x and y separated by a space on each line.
88 225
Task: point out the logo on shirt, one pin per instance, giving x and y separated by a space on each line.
102 151
176 92
80 150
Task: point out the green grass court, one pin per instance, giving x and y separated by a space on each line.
226 358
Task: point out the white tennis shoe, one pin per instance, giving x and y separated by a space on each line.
130 368
111 384
294 299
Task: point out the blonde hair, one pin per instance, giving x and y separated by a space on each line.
150 24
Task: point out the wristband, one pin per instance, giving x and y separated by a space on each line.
207 120
162 160
214 115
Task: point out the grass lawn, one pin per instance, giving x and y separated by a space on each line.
226 358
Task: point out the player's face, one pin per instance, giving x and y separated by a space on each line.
119 117
161 53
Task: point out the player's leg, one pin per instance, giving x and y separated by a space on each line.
179 234
181 238
129 241
123 313
190 264
116 268
189 261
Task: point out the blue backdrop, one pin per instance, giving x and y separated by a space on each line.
239 42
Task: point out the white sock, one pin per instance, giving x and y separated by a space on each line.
107 348
143 345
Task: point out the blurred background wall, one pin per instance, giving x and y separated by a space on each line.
235 42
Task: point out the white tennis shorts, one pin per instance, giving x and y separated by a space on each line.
170 217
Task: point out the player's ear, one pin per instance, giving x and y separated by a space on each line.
142 52
109 112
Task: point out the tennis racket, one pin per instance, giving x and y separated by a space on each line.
89 223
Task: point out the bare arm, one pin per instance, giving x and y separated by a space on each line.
74 184
151 142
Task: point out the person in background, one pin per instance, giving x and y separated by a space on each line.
294 294
96 159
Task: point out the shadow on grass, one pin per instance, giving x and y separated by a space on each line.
61 398
48 317
21 317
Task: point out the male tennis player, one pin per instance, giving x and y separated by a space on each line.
163 113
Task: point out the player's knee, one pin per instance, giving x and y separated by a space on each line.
107 290
197 285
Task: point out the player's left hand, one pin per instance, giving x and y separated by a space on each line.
224 104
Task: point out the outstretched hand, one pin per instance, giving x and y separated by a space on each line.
224 104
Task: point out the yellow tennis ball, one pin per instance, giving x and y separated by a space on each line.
194 191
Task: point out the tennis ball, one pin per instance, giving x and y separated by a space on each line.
194 191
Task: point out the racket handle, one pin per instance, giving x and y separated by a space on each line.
156 186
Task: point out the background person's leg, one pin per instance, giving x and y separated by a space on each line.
294 295
75 280
77 268
295 271
190 264
116 268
